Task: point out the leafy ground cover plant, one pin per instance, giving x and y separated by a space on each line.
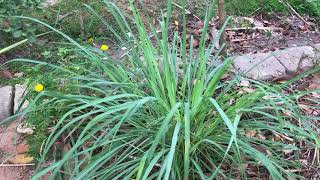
12 26
164 112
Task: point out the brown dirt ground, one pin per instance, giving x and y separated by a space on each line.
8 140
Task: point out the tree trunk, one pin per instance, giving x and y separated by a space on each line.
222 17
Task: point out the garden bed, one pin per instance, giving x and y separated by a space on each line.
163 110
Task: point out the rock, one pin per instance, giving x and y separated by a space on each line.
263 66
277 64
24 129
291 57
5 102
317 48
18 75
20 90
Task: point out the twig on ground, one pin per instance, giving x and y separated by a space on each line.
6 160
292 10
15 165
255 28
241 40
61 17
254 12
187 11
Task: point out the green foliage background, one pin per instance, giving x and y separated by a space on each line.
11 25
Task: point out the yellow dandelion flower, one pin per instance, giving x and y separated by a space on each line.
104 47
90 41
38 87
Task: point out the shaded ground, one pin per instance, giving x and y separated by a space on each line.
283 32
251 35
265 44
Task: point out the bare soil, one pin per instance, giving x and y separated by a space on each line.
9 138
265 44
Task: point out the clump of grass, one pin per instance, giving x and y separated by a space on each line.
164 112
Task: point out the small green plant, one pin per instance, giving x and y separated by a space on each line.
46 54
269 33
11 25
162 113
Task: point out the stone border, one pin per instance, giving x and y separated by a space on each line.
10 99
6 102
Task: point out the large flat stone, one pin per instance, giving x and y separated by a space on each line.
271 65
296 58
317 47
5 102
263 66
20 91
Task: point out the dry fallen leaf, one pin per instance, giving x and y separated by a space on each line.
18 75
260 136
249 90
251 134
276 137
287 151
287 113
22 148
245 83
6 74
22 129
176 23
21 159
246 90
195 43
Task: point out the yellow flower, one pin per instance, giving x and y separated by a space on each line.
38 87
90 41
104 47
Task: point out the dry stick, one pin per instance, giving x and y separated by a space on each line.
15 165
187 11
6 160
255 28
241 40
292 10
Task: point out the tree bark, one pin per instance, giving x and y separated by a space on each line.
222 17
